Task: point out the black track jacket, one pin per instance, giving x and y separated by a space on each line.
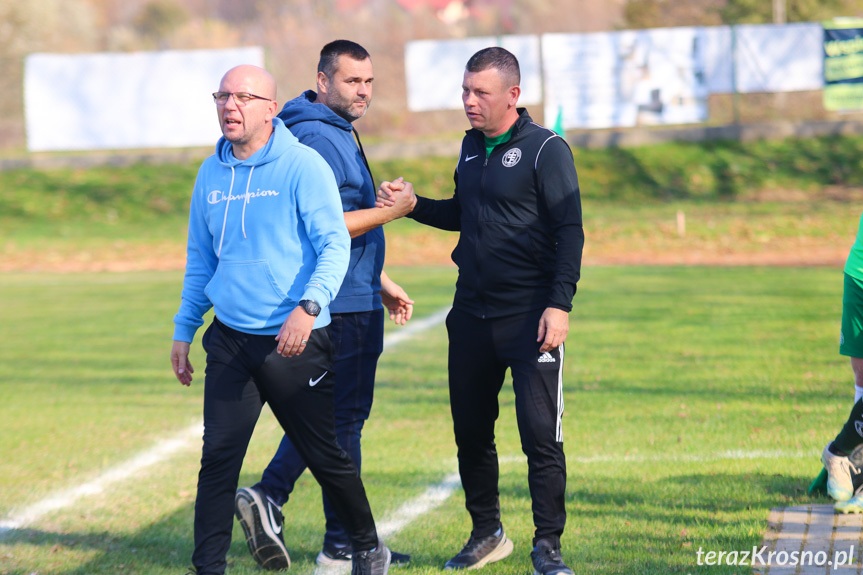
519 214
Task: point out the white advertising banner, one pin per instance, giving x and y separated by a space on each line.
626 78
126 100
434 69
779 58
716 43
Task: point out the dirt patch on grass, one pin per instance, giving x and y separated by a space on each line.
823 256
436 251
427 250
119 257
844 194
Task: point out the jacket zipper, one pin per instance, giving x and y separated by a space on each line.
479 277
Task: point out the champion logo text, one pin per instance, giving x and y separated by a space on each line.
217 196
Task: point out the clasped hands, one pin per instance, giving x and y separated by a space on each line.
397 195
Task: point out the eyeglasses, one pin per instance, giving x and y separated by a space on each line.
240 98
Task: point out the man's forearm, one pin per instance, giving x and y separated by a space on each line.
362 221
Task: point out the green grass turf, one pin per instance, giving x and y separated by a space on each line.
697 399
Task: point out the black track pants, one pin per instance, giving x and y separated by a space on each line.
244 371
480 351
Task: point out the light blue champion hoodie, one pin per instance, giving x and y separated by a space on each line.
264 233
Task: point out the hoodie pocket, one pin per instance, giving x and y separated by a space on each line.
358 249
245 294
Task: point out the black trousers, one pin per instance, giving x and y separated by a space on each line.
358 340
244 371
480 351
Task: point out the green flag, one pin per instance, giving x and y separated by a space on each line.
558 124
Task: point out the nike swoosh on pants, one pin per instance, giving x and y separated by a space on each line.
314 382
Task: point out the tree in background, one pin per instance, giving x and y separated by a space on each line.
159 19
658 13
662 13
36 26
760 12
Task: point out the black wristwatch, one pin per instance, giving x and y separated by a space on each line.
310 306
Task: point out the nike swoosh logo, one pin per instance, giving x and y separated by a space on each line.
314 382
273 523
469 158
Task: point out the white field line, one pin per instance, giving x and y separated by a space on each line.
60 499
394 522
414 327
162 451
433 497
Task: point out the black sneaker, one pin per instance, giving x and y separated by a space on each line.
261 520
334 555
547 560
481 551
374 562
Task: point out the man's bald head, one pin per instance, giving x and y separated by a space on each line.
248 122
259 81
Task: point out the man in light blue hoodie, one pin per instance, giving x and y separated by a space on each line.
324 122
267 250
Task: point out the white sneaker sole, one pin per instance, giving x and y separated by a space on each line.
326 560
502 551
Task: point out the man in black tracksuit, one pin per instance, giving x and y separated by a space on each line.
518 210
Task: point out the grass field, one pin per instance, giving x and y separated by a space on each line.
697 399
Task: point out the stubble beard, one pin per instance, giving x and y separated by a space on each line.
343 108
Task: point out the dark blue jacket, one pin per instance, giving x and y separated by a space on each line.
330 135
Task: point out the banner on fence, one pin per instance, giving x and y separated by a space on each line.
778 57
434 69
625 78
843 64
126 100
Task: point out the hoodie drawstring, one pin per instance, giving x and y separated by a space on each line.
245 203
225 221
228 204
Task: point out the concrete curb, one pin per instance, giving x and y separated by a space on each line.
811 540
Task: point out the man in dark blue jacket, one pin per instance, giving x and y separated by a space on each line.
323 121
517 208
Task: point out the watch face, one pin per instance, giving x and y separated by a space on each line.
311 307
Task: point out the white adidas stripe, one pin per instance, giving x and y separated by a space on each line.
560 396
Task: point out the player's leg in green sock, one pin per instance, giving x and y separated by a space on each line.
852 432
